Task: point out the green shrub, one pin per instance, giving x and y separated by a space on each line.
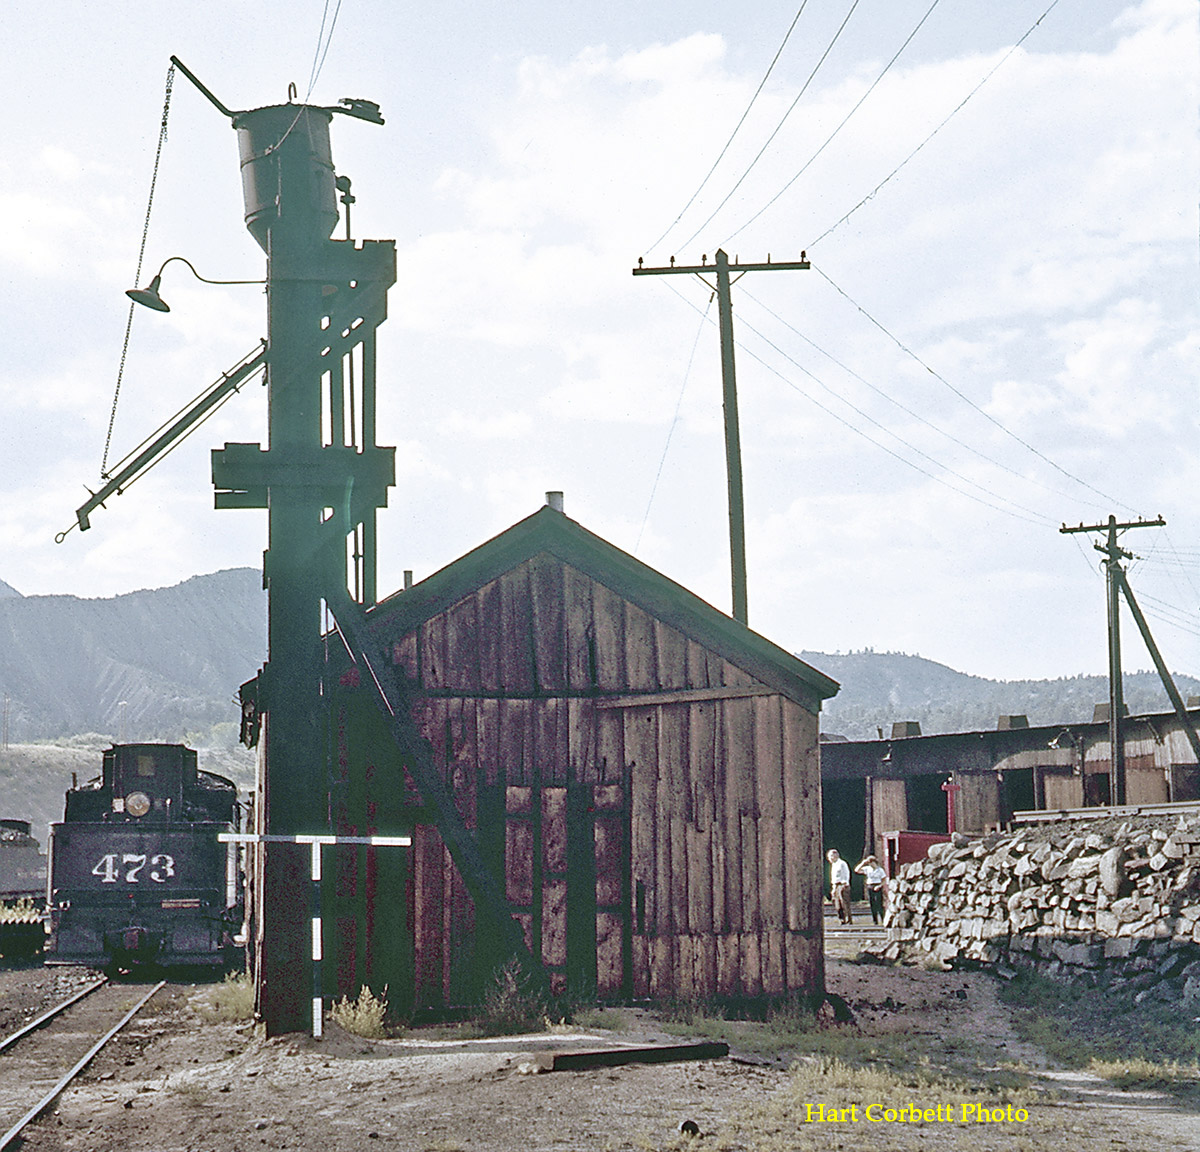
364 1016
513 1002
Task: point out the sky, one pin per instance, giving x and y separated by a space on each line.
998 333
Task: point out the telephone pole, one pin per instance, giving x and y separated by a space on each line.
1117 584
733 448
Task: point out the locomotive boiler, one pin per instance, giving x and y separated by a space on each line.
137 875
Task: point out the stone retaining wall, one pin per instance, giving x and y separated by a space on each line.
1074 899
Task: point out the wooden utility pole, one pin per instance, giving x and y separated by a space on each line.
733 448
1117 583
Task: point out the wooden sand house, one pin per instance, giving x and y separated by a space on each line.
640 768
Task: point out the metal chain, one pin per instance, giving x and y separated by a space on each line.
137 279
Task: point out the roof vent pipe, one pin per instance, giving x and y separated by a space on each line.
555 500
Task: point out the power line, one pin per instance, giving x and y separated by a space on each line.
674 421
791 109
909 411
757 92
966 399
829 139
883 447
1003 60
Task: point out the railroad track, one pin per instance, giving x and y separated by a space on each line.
39 1061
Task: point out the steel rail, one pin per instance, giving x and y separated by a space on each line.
46 1017
82 1063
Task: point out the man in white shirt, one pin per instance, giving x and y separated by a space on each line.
839 884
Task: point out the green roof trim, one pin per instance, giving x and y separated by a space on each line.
550 531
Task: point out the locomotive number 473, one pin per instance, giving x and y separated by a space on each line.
108 867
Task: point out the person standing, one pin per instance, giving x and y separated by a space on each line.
876 881
839 885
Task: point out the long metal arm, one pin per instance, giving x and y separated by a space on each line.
204 91
143 459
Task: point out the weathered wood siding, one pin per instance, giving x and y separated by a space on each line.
655 809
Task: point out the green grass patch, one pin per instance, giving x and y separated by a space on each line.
1075 1024
230 1002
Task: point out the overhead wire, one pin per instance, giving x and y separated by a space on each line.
830 138
674 421
791 108
1111 500
1042 521
958 108
905 408
137 279
736 130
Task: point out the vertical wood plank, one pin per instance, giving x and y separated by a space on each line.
608 625
428 884
773 982
487 729
670 650
641 661
697 666
706 966
804 878
516 632
580 735
768 756
641 748
579 632
550 769
751 964
674 788
610 745
462 646
662 968
728 965
609 971
488 632
741 874
546 592
516 741
701 755
433 652
404 655
733 677
518 847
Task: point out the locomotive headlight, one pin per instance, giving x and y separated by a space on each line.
137 803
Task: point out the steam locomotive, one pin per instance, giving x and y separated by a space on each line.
137 874
22 891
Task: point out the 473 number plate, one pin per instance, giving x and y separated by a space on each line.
134 867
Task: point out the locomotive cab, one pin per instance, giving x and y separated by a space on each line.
137 875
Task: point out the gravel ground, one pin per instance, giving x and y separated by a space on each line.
178 1082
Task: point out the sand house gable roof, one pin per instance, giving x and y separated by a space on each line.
550 532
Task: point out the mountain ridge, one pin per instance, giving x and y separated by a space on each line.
880 688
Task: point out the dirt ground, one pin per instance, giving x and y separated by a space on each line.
174 1082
